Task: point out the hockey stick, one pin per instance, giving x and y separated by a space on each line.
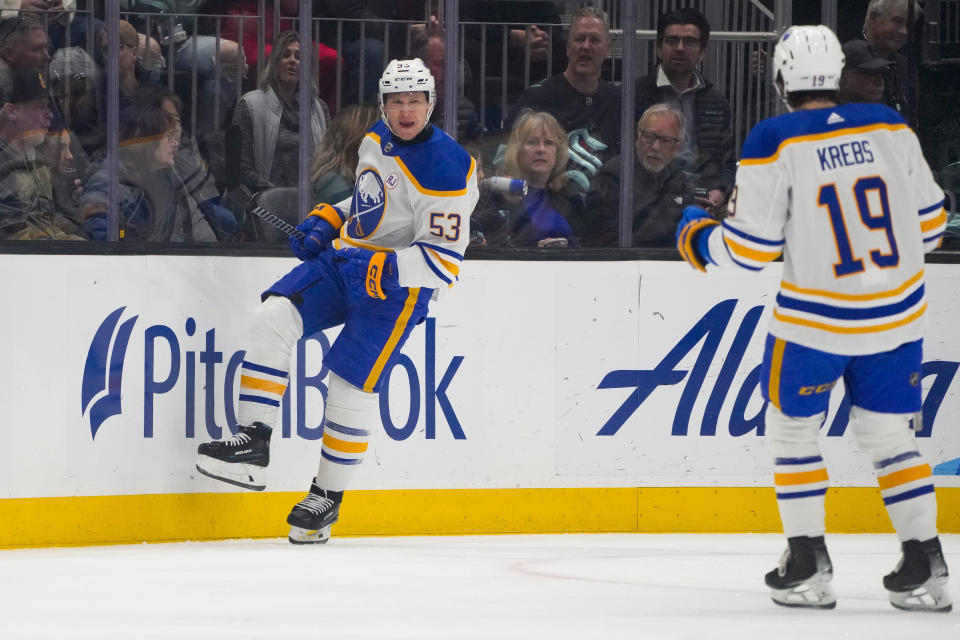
274 221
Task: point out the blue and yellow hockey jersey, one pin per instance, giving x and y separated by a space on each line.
414 199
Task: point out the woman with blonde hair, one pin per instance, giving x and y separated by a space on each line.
537 152
335 159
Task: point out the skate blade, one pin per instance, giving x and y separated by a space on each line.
299 535
808 595
238 474
931 596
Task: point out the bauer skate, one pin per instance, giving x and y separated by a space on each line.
804 575
311 518
241 460
919 582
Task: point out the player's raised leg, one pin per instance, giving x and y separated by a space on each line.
243 459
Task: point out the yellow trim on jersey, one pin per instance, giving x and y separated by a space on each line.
822 136
853 296
751 254
373 136
262 385
449 266
929 225
776 365
398 329
800 477
431 192
862 329
904 476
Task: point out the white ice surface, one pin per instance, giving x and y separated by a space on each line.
534 587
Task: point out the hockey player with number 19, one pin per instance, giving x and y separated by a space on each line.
845 194
371 263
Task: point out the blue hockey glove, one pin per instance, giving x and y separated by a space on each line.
693 233
377 270
319 229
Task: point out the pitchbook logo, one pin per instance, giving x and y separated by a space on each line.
103 371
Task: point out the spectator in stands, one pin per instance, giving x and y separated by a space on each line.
269 120
708 153
129 77
585 105
886 26
243 24
428 45
23 42
74 78
67 27
154 203
334 169
863 72
220 65
66 184
660 188
550 211
189 165
26 192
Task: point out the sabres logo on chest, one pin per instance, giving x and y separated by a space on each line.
369 205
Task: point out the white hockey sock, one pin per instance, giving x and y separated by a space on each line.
351 416
903 474
800 474
266 366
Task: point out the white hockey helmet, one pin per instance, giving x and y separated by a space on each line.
807 58
403 76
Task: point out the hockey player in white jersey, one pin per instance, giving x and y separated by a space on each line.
370 263
843 192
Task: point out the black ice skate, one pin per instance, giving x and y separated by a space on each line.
239 461
804 575
311 518
919 583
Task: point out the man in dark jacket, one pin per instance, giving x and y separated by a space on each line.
660 188
708 150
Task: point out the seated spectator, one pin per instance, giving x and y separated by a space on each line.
585 105
335 159
219 65
23 42
189 165
130 73
269 120
428 45
660 188
26 191
863 74
547 214
154 204
708 153
886 27
67 186
74 78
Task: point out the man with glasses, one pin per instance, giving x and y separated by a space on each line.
660 189
708 150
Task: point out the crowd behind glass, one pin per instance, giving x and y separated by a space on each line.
210 125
